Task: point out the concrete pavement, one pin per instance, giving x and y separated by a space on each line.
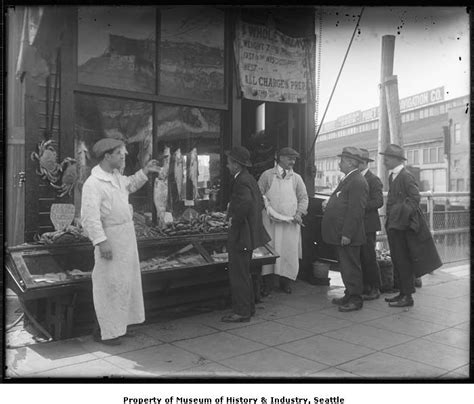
298 335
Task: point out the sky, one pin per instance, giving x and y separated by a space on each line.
431 50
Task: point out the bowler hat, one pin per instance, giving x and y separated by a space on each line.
364 153
394 150
240 154
105 145
353 153
289 152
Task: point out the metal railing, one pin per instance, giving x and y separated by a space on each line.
448 217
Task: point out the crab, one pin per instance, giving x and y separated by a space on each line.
69 177
49 169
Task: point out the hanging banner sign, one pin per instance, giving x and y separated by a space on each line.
272 66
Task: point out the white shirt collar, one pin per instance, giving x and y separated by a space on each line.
103 175
237 174
395 171
349 173
365 171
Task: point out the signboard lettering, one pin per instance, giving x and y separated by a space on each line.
273 66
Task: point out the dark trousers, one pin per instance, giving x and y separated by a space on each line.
241 285
368 260
402 265
351 272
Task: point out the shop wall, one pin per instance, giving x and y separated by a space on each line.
459 161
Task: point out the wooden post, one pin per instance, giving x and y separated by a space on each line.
388 47
393 108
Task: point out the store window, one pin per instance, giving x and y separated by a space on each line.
191 137
191 53
442 108
416 157
433 155
117 47
457 133
426 156
131 121
440 154
460 184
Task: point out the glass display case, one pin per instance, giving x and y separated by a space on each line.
53 282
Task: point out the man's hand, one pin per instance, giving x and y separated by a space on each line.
297 219
345 240
324 204
105 250
151 167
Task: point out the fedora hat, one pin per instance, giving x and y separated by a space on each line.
289 152
352 152
394 150
105 145
240 154
364 153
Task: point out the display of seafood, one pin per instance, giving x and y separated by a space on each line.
54 277
160 189
181 258
214 222
71 234
193 172
178 171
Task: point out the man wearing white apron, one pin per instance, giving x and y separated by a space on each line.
107 219
286 201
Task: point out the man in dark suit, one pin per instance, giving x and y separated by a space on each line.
412 249
368 258
245 234
343 226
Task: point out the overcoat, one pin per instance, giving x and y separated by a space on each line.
345 211
404 213
374 203
245 210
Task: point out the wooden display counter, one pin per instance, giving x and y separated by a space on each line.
53 282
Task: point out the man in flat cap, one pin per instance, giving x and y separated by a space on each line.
412 249
245 234
343 226
286 201
368 257
107 219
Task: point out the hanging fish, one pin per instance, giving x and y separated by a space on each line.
160 189
178 171
193 172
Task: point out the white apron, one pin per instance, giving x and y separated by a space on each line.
286 237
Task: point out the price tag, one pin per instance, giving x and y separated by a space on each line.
62 215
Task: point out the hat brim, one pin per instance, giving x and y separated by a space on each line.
244 163
290 155
369 160
393 155
351 156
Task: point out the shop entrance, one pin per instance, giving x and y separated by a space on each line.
269 126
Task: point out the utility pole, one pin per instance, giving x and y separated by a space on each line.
388 48
393 108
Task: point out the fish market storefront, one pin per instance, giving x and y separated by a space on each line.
180 84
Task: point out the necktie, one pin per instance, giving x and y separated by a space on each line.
390 178
283 175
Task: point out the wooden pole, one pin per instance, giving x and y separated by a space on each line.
388 47
393 108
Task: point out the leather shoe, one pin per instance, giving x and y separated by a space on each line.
372 295
350 306
394 298
405 301
339 301
235 318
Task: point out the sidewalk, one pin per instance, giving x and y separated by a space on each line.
297 335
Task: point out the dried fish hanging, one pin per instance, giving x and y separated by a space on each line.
160 189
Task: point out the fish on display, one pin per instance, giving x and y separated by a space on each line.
178 171
160 188
193 172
